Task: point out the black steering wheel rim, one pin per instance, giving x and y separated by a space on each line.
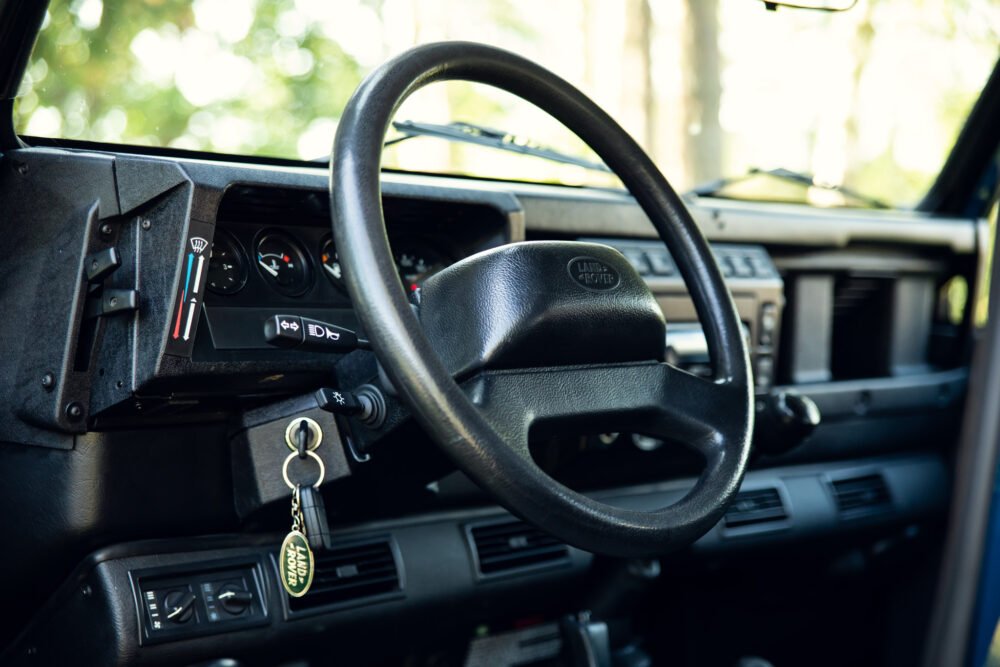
426 386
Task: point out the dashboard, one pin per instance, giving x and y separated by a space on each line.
154 282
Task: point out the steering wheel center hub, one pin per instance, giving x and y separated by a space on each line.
541 303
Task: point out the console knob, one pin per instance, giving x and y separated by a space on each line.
234 599
179 606
784 420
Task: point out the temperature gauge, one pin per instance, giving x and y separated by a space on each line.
331 265
282 263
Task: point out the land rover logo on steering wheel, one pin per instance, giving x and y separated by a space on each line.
593 274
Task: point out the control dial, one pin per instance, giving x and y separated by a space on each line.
179 606
234 598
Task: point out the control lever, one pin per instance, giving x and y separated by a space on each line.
784 420
101 264
367 404
303 333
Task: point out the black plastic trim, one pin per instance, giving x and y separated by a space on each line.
19 25
959 188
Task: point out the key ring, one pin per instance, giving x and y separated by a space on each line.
311 454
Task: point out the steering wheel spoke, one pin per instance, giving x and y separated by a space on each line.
655 399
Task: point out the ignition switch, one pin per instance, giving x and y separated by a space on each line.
303 427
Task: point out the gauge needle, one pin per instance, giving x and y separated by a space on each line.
270 269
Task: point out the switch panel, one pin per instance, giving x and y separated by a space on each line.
198 599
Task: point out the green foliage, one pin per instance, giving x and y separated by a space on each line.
102 90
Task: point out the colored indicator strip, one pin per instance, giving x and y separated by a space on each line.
180 307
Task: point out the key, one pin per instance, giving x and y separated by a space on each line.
295 560
317 528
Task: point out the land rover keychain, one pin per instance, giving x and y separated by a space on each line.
295 560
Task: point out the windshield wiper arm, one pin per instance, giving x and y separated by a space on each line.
485 136
713 188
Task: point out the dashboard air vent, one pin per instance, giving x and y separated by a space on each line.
755 506
510 546
246 203
349 574
861 495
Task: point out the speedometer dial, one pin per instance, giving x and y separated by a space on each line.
282 263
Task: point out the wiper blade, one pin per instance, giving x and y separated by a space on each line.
713 188
485 136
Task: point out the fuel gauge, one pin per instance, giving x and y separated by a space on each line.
282 263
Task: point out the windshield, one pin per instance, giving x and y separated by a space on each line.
871 99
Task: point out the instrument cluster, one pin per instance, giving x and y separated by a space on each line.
288 262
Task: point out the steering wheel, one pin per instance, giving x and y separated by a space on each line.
541 337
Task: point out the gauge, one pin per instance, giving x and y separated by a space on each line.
417 262
282 263
331 264
227 266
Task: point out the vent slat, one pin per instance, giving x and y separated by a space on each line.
327 586
350 574
360 573
515 545
861 495
756 506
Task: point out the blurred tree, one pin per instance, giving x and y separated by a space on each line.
99 79
639 105
703 149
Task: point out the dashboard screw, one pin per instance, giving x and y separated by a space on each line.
87 591
48 381
22 168
74 411
106 229
146 224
